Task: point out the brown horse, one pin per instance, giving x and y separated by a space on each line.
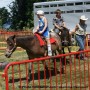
65 39
32 46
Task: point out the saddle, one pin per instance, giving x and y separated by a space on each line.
42 40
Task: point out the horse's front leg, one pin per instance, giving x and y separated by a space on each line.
30 56
63 50
69 49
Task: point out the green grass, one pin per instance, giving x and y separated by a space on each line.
21 55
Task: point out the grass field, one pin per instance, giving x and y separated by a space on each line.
75 73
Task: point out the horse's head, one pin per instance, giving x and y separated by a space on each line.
11 46
65 37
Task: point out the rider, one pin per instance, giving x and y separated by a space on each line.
43 29
58 21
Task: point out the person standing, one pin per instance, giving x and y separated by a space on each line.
43 29
80 33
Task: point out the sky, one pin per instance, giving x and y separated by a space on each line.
5 3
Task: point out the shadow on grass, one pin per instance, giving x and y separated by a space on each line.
41 74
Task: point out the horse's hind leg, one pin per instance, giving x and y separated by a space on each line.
29 72
69 49
46 70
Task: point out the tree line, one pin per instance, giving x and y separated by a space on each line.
20 16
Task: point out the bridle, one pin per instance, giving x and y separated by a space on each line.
65 40
10 51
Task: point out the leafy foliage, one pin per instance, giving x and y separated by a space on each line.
21 14
4 15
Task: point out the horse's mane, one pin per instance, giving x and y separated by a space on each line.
30 37
64 32
21 38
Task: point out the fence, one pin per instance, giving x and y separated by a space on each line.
73 76
63 72
4 35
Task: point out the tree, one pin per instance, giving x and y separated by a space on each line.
4 15
22 13
18 14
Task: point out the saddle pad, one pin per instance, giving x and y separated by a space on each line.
42 42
